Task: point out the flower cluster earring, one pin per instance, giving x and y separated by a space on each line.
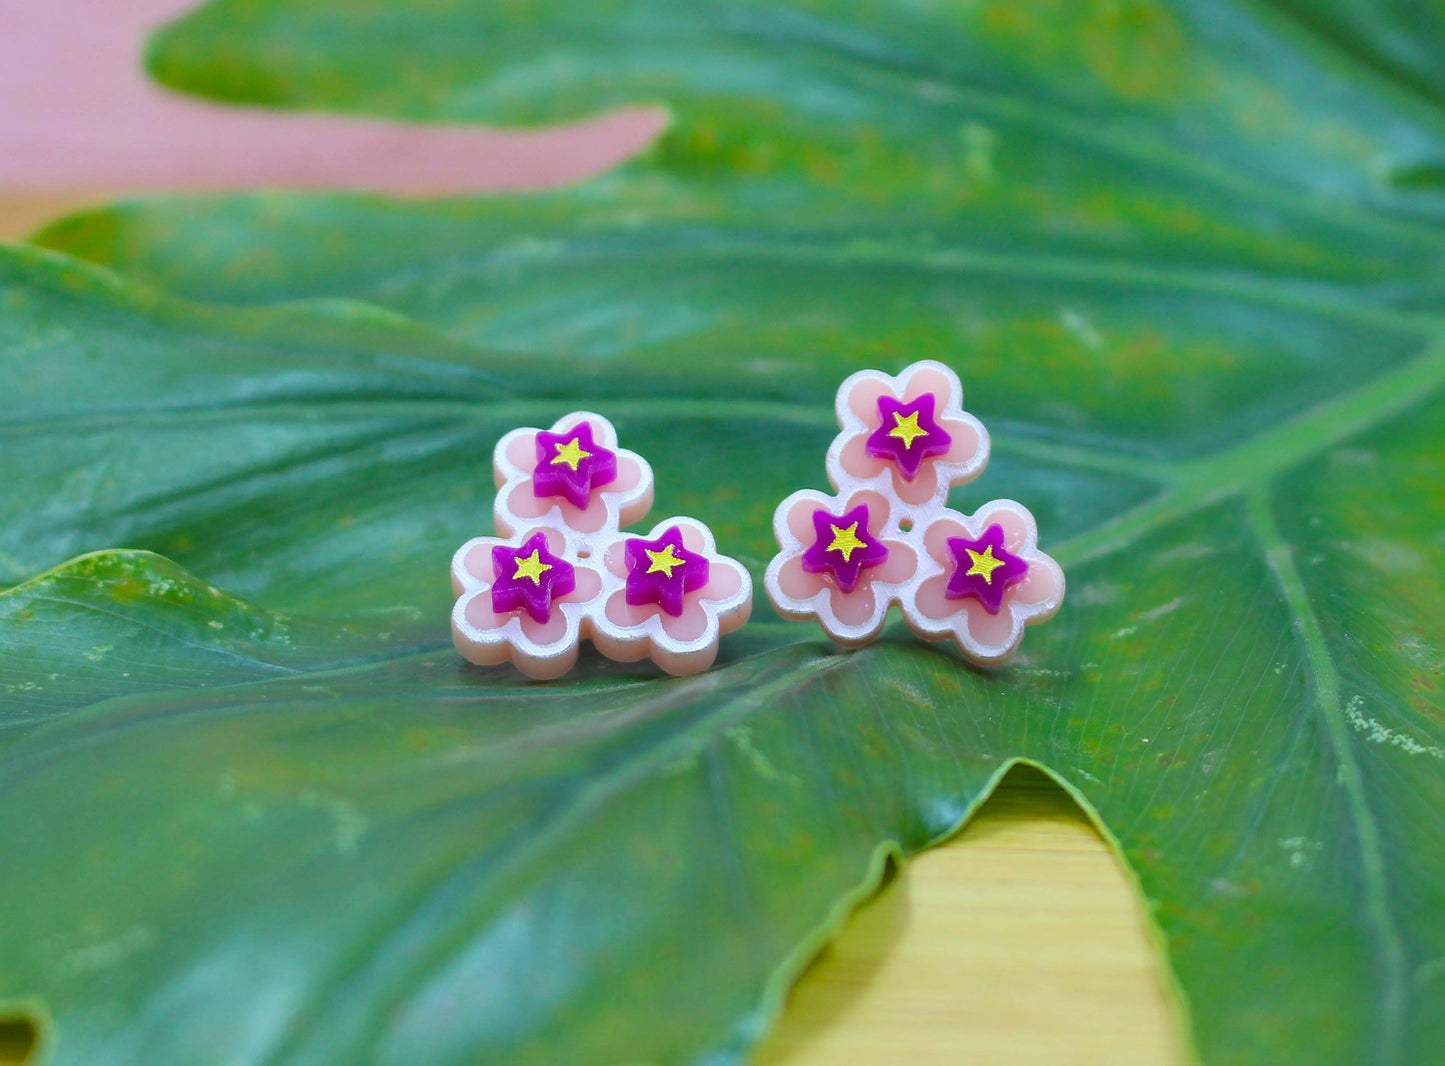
561 570
887 536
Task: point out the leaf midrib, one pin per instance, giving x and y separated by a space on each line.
1380 914
1258 460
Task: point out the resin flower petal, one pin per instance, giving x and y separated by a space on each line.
514 604
907 436
677 565
572 477
982 579
809 578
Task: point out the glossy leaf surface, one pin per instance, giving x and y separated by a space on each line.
1185 259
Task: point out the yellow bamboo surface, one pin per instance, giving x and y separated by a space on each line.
1018 942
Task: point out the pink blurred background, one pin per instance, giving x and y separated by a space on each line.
78 116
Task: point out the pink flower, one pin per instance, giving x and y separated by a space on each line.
577 444
907 433
566 572
540 649
631 627
799 588
969 567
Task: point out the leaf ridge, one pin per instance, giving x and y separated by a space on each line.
1391 957
1256 460
693 242
1313 35
555 824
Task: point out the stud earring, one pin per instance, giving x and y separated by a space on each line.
562 571
888 536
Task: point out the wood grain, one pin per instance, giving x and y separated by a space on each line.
1018 942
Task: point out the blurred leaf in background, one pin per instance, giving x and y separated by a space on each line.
1187 259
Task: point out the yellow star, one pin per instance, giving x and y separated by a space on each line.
532 566
906 429
570 453
662 561
983 563
845 540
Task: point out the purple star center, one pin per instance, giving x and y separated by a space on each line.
529 578
843 547
662 571
983 569
908 433
571 465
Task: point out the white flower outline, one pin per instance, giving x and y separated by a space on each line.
619 507
510 642
1044 573
651 639
819 605
907 496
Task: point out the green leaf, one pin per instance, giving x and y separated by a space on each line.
1207 87
1215 136
116 623
576 861
1184 257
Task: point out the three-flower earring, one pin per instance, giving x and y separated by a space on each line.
888 537
562 571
